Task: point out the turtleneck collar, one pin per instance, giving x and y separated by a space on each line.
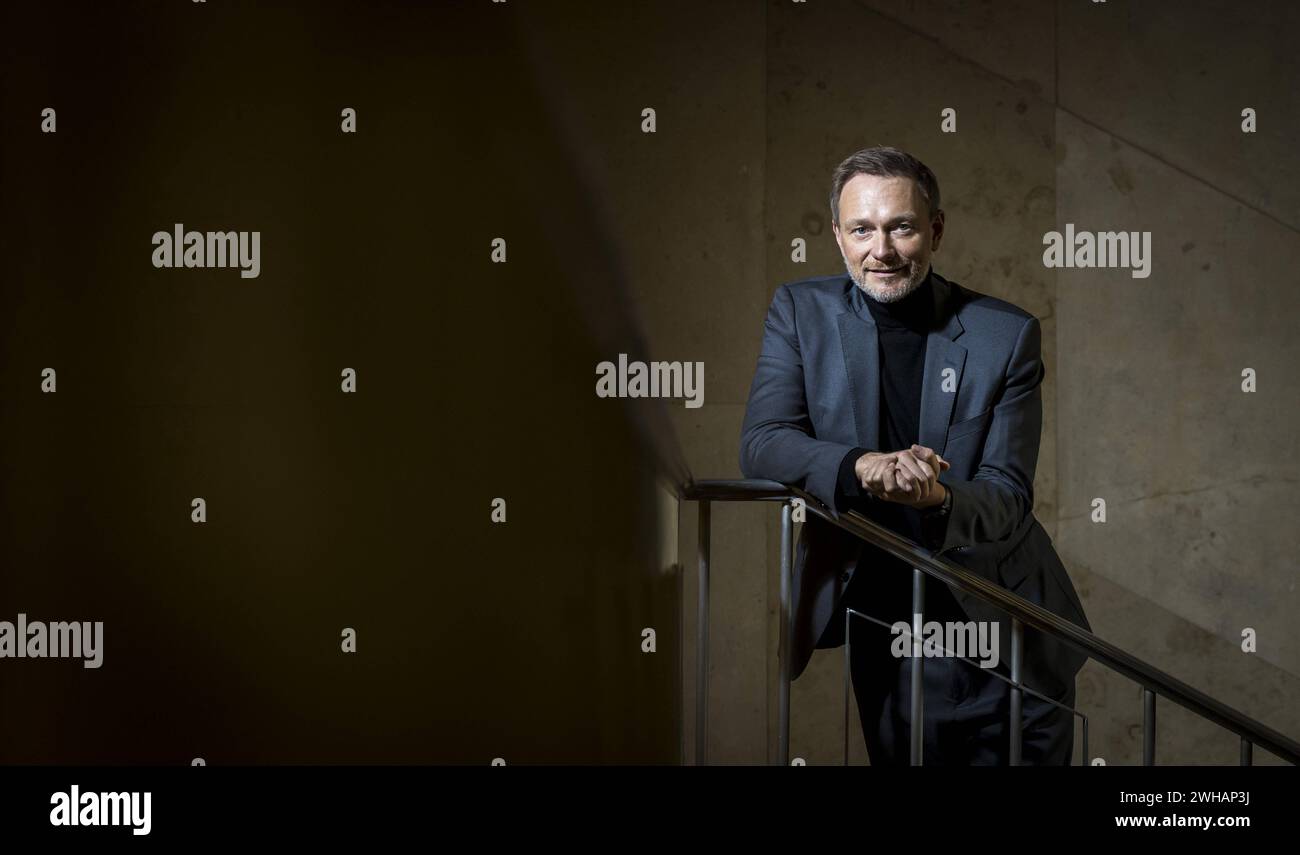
914 312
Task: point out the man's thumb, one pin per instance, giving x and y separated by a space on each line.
943 464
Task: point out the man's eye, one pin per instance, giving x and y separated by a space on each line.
905 227
858 230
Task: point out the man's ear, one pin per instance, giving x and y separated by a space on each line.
936 227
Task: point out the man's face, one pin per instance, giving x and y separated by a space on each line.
886 235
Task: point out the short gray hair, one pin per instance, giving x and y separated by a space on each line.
886 162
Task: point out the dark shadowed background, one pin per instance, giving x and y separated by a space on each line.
523 121
326 510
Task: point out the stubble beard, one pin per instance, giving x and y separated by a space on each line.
891 293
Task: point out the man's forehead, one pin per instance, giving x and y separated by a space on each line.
865 181
895 200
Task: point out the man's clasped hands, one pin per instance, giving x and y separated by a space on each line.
908 477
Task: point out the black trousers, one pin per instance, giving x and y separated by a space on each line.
966 710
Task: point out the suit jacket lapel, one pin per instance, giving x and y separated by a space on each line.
861 347
941 354
939 393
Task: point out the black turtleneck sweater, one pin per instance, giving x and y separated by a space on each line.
902 328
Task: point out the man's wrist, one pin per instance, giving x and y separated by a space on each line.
939 501
847 487
934 520
857 474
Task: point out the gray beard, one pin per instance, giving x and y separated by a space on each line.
892 297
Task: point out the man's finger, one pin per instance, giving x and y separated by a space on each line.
906 484
916 468
871 477
929 455
928 469
918 488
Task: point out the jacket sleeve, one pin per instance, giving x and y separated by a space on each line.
777 440
991 506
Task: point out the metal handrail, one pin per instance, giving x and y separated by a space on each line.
1153 680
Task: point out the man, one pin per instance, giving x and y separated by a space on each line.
915 401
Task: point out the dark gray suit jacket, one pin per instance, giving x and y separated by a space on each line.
815 397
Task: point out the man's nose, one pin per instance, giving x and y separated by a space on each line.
881 248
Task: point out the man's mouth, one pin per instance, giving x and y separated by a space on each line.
890 271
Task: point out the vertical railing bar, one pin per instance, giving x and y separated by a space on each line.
1084 761
1015 726
1148 727
1246 748
848 681
918 668
786 638
702 643
681 646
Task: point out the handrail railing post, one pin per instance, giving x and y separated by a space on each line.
1084 761
918 668
1148 727
783 684
702 644
1022 612
1017 696
848 679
